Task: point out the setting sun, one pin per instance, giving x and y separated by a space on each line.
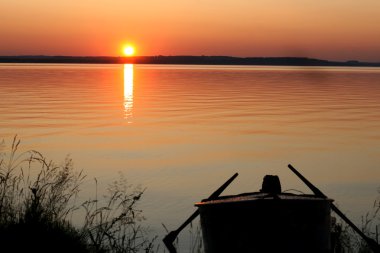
128 50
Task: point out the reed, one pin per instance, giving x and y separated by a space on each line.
38 199
114 224
347 241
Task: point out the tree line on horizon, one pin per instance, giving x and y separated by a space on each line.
186 59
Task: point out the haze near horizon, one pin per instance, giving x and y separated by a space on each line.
339 30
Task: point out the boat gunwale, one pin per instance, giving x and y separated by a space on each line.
260 196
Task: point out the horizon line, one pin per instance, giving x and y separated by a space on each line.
214 59
187 55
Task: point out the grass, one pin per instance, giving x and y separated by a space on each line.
348 241
38 199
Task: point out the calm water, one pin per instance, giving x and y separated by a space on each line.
181 131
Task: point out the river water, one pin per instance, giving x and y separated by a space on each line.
180 130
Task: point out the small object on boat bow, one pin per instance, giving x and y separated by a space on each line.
271 184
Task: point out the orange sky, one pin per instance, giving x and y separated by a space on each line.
328 29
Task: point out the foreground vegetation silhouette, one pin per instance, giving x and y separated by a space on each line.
38 201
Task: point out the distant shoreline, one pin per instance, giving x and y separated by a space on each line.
191 60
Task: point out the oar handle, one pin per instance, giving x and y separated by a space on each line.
371 243
219 191
170 237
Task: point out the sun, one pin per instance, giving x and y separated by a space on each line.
128 50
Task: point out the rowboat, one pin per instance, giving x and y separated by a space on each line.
266 222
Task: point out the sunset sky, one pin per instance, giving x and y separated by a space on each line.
327 29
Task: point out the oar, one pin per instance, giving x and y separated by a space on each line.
371 243
169 238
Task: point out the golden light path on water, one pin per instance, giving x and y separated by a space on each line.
128 92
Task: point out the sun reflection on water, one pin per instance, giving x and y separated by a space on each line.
128 92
